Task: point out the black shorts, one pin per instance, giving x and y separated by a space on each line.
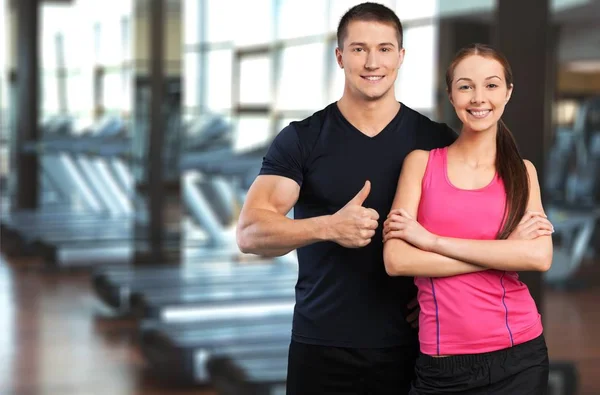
319 370
519 370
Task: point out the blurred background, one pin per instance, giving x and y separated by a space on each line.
131 131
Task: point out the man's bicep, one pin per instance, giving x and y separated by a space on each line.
273 193
408 191
277 186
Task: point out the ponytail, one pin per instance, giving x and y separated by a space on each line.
513 173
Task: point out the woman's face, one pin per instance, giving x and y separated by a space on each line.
479 92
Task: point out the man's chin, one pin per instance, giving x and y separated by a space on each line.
369 95
372 97
376 94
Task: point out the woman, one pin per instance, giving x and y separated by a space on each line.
479 332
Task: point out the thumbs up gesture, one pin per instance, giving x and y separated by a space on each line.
353 225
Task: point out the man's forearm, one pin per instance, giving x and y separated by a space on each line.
403 259
268 233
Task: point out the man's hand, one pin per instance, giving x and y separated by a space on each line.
353 225
413 316
399 224
532 225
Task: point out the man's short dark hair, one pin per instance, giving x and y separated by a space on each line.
368 12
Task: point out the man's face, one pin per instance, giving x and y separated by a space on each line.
370 58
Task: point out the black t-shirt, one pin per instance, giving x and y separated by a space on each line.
344 297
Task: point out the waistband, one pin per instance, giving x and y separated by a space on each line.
470 359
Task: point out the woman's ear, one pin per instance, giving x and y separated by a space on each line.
509 92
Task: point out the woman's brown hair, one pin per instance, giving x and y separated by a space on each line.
509 163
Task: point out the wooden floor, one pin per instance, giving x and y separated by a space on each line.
52 340
572 328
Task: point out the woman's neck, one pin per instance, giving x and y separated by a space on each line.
476 148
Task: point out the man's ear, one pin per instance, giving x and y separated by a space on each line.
338 57
401 54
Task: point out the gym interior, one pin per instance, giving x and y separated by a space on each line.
131 130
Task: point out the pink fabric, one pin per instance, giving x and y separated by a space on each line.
476 312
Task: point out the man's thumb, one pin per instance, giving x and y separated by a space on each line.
362 195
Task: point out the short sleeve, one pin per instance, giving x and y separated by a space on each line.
284 156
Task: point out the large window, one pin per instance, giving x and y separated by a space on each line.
191 100
415 85
273 61
218 84
222 19
85 59
253 24
255 80
252 130
301 84
301 18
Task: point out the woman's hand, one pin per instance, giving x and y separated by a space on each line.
532 225
400 225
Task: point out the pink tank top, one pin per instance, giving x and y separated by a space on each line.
476 312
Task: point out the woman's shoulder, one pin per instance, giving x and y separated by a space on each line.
418 156
416 161
531 170
529 165
421 156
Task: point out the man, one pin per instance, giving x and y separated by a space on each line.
339 170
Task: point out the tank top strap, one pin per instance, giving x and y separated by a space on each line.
436 166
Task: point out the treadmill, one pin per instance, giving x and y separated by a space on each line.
116 287
68 184
212 140
112 225
222 245
67 242
57 162
194 303
218 330
58 153
190 352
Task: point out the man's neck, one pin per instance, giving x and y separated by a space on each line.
369 117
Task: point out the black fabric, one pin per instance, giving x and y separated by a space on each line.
344 297
328 370
519 370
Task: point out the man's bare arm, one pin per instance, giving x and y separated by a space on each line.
264 229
